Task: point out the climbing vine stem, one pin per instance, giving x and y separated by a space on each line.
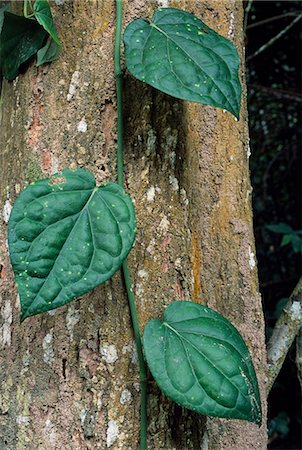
126 274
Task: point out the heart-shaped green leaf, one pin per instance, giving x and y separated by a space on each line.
43 15
181 56
49 52
66 237
200 361
19 40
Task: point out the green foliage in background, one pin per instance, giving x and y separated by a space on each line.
23 37
274 102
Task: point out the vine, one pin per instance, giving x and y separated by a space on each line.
125 269
67 236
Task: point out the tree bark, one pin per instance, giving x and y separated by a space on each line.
69 379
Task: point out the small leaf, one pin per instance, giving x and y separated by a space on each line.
296 242
66 237
286 239
281 228
19 40
43 15
200 361
181 56
49 52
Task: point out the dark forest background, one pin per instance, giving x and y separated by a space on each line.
275 111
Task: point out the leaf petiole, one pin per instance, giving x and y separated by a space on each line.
25 9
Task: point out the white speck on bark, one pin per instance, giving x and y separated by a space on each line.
22 420
82 126
177 263
83 415
205 441
59 2
99 401
139 290
184 196
151 141
7 210
54 165
163 3
50 432
151 246
112 433
137 386
48 355
231 31
74 83
26 359
72 318
109 353
151 194
17 302
174 182
296 310
172 158
125 397
164 225
7 316
142 273
131 348
252 262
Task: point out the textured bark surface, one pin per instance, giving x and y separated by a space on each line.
69 379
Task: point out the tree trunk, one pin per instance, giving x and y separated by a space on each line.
69 379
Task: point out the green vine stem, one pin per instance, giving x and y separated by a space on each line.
127 279
25 9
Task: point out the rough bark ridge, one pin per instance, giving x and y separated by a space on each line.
69 379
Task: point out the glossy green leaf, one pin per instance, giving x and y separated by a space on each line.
20 39
67 236
181 56
49 52
200 361
43 15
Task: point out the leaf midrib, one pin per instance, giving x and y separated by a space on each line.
153 25
205 357
53 223
62 249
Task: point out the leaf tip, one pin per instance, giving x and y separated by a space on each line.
23 316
